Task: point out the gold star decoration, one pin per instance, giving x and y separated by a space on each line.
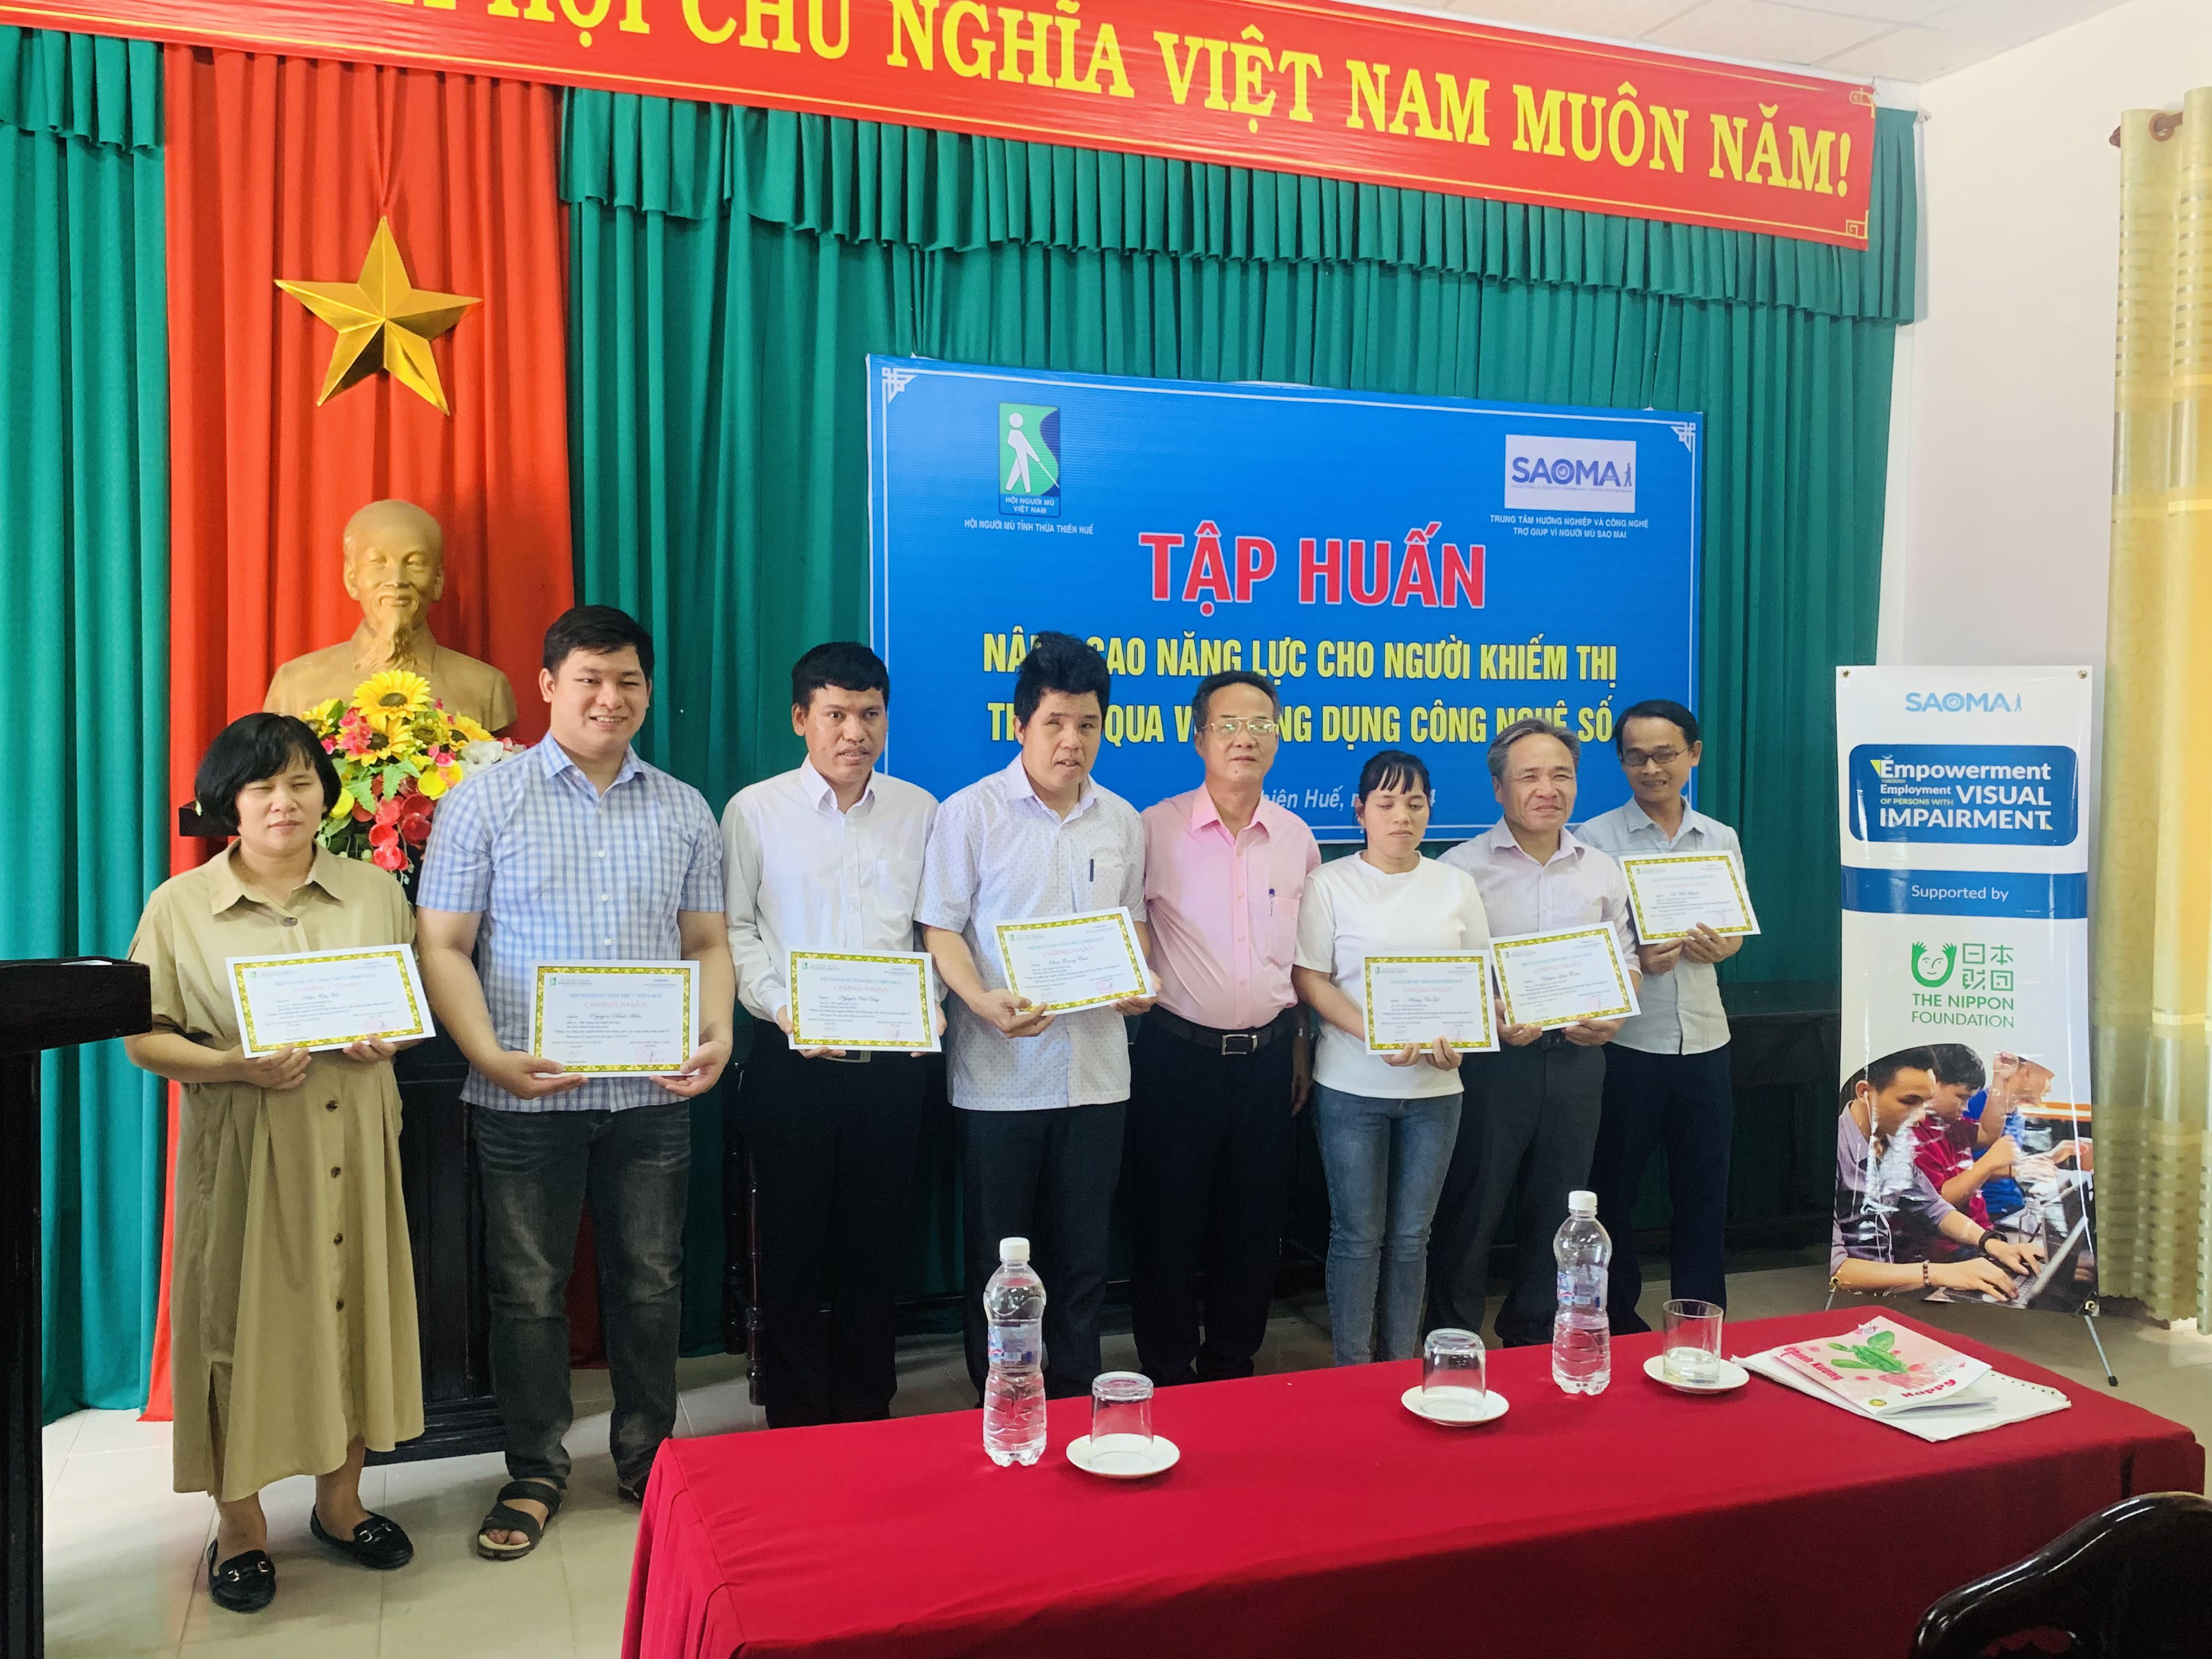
385 306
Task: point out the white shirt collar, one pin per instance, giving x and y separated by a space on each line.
1638 818
1499 838
1018 787
822 793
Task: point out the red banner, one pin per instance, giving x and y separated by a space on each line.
1335 90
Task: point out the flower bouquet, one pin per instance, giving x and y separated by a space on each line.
397 749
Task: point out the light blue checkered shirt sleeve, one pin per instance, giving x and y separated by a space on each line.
457 863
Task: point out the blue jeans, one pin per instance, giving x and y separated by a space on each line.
538 1167
1385 1161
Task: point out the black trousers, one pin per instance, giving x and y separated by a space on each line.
1686 1101
1209 1163
833 1150
1526 1132
1047 1176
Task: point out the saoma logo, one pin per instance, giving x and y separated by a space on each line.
1568 473
1963 702
1588 474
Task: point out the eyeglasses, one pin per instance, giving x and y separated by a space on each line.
1260 728
1636 759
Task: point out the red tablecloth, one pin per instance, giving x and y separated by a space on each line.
1311 1514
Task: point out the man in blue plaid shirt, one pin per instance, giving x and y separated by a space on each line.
576 851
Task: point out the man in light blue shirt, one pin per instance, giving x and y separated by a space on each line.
1041 1097
576 851
1668 1077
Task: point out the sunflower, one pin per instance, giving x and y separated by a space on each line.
470 731
389 700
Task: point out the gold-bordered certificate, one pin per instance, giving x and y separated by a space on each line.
843 1000
1564 976
1061 962
1417 999
640 1017
1673 892
328 998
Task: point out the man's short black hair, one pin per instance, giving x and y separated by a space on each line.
846 664
1201 700
1655 708
1883 1073
1062 663
250 748
600 629
1956 1063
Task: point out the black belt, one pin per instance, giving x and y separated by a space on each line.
1222 1043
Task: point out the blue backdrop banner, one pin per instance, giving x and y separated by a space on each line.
1414 572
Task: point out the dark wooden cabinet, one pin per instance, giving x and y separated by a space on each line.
445 1228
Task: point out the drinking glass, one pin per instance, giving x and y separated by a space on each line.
1121 1423
1694 1342
1451 1376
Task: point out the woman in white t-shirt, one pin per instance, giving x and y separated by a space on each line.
1386 1123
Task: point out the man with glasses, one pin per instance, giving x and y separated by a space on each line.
1668 1077
1222 1063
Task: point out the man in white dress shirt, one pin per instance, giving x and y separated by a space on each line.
1040 1098
1667 1077
1531 1109
826 857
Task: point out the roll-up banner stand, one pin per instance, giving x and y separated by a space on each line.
1965 951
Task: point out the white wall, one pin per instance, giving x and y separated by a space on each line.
2005 388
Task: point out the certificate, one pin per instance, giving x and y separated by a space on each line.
327 999
615 1017
1673 892
1417 999
1564 977
1074 962
850 1002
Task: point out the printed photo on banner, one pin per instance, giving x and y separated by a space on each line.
1964 1139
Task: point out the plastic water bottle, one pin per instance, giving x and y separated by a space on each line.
1014 1393
1582 1339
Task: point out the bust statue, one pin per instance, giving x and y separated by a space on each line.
395 569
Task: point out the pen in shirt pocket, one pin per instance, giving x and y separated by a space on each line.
1271 901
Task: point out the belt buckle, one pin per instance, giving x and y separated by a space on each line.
1239 1043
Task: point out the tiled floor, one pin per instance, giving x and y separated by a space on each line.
123 1552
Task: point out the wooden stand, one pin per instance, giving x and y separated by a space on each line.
43 1005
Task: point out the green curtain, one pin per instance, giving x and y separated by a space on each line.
84 499
732 267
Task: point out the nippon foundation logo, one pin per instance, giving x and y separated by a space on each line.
1581 475
1029 460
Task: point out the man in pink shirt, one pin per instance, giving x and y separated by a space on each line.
1222 1063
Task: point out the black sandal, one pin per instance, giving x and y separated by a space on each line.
377 1542
505 1518
245 1583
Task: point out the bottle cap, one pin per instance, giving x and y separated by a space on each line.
1013 1250
1581 1203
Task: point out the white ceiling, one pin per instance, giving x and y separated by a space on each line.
1899 40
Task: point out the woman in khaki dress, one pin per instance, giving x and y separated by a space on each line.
292 1296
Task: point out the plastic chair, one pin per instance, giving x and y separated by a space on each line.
2134 1582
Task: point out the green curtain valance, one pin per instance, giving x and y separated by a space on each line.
947 192
82 86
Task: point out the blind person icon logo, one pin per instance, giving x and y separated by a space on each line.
1029 460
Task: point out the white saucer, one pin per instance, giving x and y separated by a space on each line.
1732 1376
1493 1407
1165 1456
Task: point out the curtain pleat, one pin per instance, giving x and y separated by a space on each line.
860 181
2152 939
84 456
